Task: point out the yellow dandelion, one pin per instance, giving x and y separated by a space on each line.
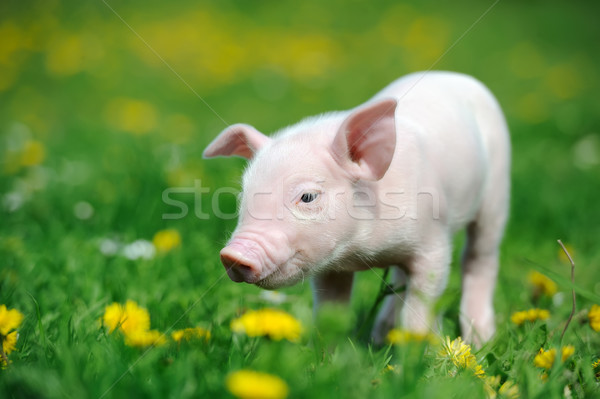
65 55
275 324
545 359
113 314
594 316
190 334
133 116
460 354
9 320
143 338
542 284
9 343
398 336
166 240
33 153
248 384
529 315
129 318
596 364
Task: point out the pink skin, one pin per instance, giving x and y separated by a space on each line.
383 185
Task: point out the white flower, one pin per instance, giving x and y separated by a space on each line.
13 201
273 297
109 247
139 249
83 210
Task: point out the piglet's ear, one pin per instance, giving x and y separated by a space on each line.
366 140
237 140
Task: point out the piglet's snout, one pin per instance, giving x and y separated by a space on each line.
241 262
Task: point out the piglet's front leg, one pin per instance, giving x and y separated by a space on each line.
428 276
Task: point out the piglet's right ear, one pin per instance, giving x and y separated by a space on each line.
237 140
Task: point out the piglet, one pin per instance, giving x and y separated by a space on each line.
386 184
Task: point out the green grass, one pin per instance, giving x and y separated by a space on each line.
69 69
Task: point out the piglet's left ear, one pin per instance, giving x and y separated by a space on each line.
366 140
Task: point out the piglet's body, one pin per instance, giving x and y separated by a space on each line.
383 185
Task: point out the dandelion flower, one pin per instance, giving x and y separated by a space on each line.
9 320
545 359
131 115
594 316
166 240
33 153
275 324
143 338
129 318
460 354
190 334
248 384
402 337
9 343
542 284
529 315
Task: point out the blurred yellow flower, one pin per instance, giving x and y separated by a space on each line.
460 354
166 240
507 390
9 320
248 384
33 153
529 315
9 343
190 334
542 284
594 316
129 318
144 338
391 368
130 115
64 55
563 257
402 337
545 359
564 81
275 324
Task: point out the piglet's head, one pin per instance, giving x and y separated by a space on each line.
294 218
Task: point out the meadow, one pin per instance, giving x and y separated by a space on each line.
104 105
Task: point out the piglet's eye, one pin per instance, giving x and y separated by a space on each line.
308 197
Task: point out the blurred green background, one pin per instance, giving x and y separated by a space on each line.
105 104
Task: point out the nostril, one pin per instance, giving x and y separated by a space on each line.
238 270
